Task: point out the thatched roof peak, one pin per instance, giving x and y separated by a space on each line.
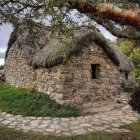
53 52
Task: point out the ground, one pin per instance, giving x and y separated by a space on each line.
11 134
16 101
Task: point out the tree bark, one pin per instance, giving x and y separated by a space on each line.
124 17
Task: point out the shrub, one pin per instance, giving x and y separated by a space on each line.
135 99
1 67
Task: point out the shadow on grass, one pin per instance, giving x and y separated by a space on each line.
20 101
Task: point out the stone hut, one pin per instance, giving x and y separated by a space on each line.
90 73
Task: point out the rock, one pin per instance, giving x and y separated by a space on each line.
58 96
78 100
128 86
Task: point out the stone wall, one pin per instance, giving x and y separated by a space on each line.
70 83
2 76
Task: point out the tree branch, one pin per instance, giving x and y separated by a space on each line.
125 33
104 13
109 11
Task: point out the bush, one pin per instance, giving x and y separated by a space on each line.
1 67
135 99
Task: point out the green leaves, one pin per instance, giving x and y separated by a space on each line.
133 53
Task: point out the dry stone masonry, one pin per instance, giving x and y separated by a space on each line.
2 75
92 79
70 83
109 121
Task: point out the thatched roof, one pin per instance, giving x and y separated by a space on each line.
53 52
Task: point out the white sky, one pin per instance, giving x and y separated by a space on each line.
1 62
2 50
5 31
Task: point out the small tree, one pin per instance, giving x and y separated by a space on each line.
127 47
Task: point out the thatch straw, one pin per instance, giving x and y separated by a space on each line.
53 52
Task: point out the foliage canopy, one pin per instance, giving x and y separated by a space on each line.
121 18
133 53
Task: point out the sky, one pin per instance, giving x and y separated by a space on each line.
5 31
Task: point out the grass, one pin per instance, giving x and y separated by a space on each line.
21 101
135 128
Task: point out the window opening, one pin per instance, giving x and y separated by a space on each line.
95 71
126 75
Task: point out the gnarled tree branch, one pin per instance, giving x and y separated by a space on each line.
108 10
121 33
106 13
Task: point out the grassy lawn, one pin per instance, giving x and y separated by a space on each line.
21 101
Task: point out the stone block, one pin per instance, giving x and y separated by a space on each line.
78 100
